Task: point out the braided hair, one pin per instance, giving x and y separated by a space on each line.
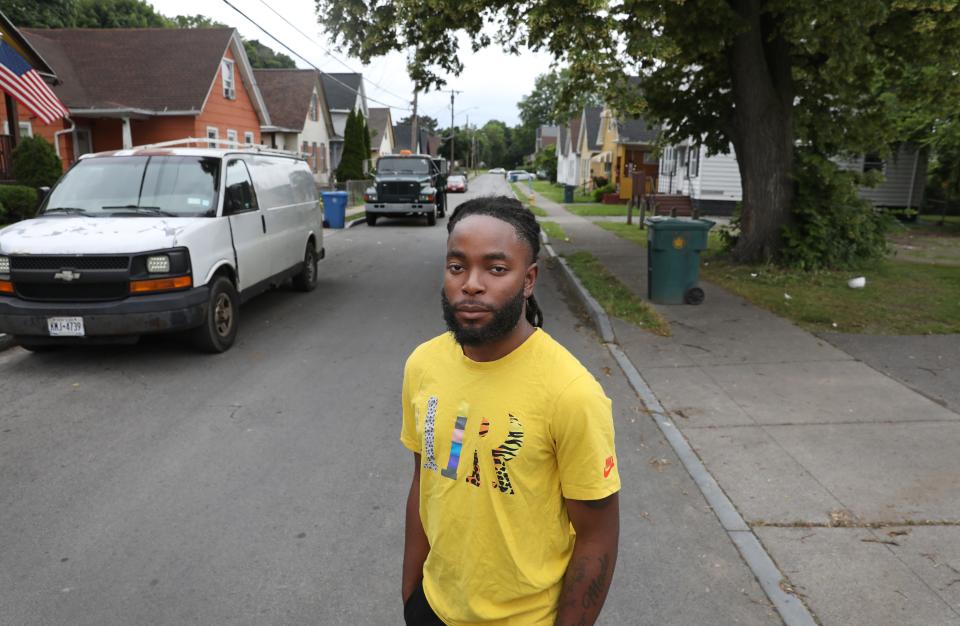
511 211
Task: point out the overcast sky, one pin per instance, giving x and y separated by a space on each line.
492 81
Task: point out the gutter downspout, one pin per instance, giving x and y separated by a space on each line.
913 179
56 136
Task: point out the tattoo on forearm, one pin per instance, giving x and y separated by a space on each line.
597 588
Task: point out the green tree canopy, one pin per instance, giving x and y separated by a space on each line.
760 75
423 121
545 104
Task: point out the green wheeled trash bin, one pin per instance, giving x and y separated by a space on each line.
335 207
673 259
568 193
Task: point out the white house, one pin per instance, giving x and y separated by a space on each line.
299 118
713 182
589 141
344 93
382 140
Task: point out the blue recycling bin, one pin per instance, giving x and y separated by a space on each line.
335 207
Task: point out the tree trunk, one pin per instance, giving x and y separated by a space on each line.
761 127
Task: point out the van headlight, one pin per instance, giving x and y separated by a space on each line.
158 264
4 265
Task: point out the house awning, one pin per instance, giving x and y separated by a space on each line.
603 157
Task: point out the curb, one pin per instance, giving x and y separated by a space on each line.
792 610
6 341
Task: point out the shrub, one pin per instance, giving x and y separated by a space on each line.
35 163
599 191
3 215
18 201
833 227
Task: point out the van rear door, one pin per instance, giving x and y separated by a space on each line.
247 225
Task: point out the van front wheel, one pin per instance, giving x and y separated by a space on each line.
306 280
219 328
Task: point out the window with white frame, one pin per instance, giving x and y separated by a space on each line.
26 128
213 133
314 106
231 135
229 82
316 160
668 160
694 170
323 157
248 136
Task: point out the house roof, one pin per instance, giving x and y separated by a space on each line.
593 126
341 90
637 130
378 120
575 133
401 132
287 93
153 69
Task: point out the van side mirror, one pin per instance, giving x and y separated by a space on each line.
42 193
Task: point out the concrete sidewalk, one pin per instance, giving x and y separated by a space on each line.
850 479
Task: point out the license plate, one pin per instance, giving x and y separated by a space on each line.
65 326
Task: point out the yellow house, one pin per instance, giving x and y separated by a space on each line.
588 143
626 146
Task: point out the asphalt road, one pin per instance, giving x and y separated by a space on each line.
155 485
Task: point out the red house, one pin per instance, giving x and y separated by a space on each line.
129 87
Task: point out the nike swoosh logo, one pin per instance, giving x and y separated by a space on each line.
608 467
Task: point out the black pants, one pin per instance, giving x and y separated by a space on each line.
417 611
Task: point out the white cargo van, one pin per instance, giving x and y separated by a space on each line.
159 239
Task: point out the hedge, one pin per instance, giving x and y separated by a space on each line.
18 202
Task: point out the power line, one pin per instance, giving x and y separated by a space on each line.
301 57
327 52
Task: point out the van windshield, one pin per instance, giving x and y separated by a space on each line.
170 186
403 166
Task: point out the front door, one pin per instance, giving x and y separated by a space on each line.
247 225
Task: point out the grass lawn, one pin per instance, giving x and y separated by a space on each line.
524 195
901 296
554 191
554 232
596 209
614 296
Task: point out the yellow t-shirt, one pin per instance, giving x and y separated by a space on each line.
502 443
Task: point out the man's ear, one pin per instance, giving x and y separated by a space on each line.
530 279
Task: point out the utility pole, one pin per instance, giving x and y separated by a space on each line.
413 125
453 134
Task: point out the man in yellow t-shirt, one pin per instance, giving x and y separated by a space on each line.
513 514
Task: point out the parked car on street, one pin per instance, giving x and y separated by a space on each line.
515 175
457 184
498 170
159 239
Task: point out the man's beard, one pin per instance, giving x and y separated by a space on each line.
504 320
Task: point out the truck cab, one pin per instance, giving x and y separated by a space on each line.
407 184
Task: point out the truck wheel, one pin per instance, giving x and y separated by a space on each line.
372 219
432 218
307 279
694 295
219 328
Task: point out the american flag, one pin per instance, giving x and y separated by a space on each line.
25 85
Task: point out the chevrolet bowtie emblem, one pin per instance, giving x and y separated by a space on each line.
67 275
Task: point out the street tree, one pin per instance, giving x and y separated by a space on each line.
761 75
423 121
355 149
545 104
